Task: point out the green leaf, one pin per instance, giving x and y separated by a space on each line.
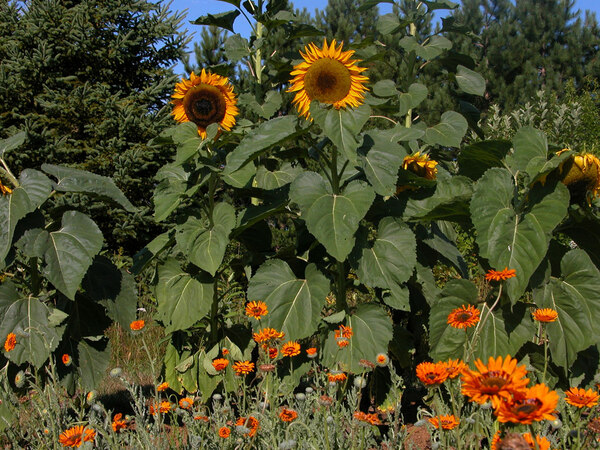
239 178
576 298
93 362
388 24
15 141
469 81
294 304
372 328
272 103
222 20
439 4
431 49
70 251
385 88
142 258
332 219
508 239
380 158
342 126
8 295
401 133
530 151
475 159
413 98
449 201
266 179
260 139
203 244
170 190
368 4
236 48
75 180
449 132
435 238
37 339
183 299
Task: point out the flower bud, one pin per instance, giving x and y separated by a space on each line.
116 372
360 382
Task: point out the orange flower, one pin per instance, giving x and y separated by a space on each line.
545 315
311 352
273 352
342 342
290 349
535 404
502 275
495 382
542 442
268 334
344 332
137 325
455 367
220 364
75 436
495 441
288 415
463 317
251 423
339 377
10 342
119 423
162 387
224 432
581 397
224 351
256 309
448 422
243 367
202 418
432 374
373 419
186 403
382 359
66 360
163 407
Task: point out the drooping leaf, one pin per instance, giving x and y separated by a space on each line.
142 258
450 201
368 4
294 304
170 191
93 362
381 157
387 23
449 132
470 81
429 50
222 20
385 88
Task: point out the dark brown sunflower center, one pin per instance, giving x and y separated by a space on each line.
493 381
464 316
526 406
327 80
204 104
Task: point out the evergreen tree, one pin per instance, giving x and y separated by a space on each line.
89 81
342 21
209 52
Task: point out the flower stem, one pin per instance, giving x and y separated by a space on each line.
545 337
481 324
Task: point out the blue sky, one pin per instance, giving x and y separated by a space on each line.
197 8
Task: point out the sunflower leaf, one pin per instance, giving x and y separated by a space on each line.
469 81
413 98
449 132
530 151
381 157
222 20
11 143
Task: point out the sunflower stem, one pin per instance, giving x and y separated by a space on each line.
413 32
481 324
545 338
258 56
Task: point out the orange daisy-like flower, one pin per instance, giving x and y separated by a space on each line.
162 387
66 359
342 342
463 317
256 309
137 325
288 415
329 76
75 436
542 442
337 377
220 364
10 342
382 359
224 432
496 381
290 349
501 275
268 334
243 367
535 404
344 332
119 423
448 422
202 418
373 419
311 352
272 352
252 423
455 367
204 100
432 374
545 315
164 407
224 351
186 403
581 398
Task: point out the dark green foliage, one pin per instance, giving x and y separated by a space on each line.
342 21
89 81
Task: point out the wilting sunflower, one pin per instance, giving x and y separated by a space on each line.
421 165
205 99
581 398
545 315
448 422
534 404
581 174
432 374
463 317
329 76
496 381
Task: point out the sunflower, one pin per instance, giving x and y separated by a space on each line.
256 310
535 404
243 367
463 317
291 348
205 99
421 165
448 422
581 397
500 275
251 423
542 442
581 174
329 76
545 315
75 436
220 364
432 374
11 342
496 381
288 415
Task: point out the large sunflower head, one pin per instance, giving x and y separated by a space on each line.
205 99
329 76
581 174
534 404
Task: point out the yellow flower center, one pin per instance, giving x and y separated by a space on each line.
204 104
327 80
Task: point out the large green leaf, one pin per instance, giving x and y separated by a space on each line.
372 328
236 48
170 190
93 362
36 339
332 219
430 49
204 244
8 295
342 126
381 157
183 299
413 98
576 298
530 151
449 132
273 179
142 258
294 304
75 180
70 250
469 81
261 139
221 20
11 143
449 201
508 239
475 159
